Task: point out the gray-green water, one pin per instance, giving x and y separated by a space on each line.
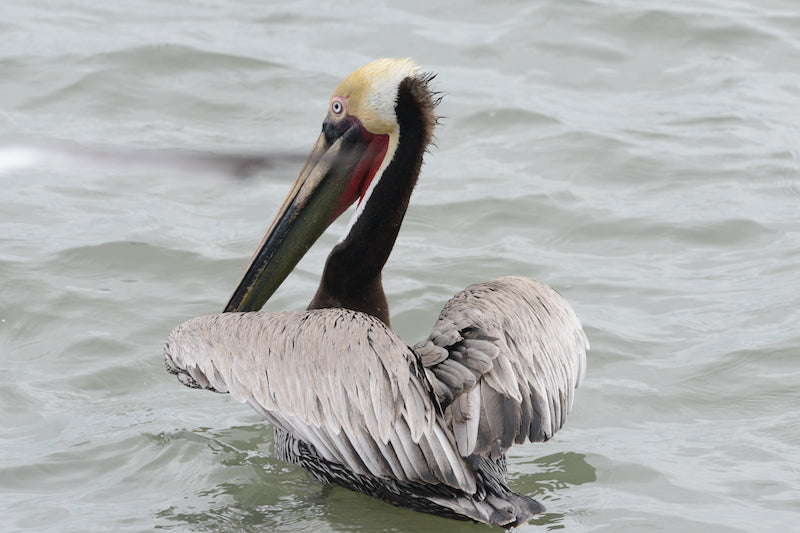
640 157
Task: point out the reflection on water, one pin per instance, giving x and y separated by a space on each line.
249 487
552 475
556 472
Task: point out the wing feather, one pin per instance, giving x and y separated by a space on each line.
516 353
336 379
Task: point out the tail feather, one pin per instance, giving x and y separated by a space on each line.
526 508
508 509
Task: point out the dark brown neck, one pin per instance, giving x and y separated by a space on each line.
352 276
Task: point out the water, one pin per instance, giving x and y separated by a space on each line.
642 158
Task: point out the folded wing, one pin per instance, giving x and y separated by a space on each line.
504 359
338 380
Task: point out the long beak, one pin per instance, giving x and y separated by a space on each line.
335 174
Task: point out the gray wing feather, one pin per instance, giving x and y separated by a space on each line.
338 380
504 359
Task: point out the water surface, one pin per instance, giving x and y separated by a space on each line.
641 158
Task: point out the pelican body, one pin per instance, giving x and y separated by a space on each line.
423 427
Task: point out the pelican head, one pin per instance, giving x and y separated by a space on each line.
359 139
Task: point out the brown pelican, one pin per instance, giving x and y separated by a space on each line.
424 428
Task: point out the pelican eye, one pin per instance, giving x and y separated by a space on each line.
337 107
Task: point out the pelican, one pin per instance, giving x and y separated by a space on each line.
423 427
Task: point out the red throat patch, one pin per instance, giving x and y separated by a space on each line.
365 170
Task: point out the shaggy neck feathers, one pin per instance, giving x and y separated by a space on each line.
352 275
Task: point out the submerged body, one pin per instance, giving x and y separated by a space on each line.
426 427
